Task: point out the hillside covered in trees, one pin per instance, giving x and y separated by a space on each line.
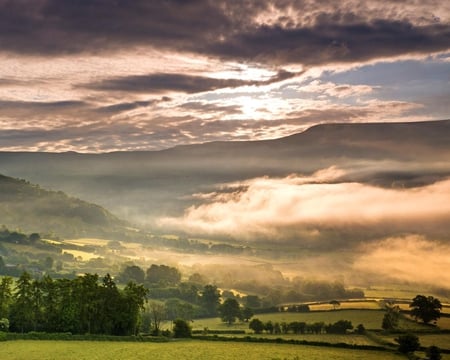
31 208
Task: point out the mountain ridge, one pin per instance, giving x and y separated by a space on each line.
143 185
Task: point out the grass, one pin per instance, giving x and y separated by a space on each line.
371 319
346 305
180 350
440 340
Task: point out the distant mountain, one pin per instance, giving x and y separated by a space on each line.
142 186
32 209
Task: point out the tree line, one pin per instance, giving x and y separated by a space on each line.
84 305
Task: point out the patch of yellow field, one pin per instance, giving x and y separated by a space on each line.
87 241
85 256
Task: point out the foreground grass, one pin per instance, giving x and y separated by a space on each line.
180 350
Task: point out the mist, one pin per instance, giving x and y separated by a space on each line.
316 211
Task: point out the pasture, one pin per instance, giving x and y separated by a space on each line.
180 350
371 319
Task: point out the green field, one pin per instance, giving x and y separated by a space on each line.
371 319
180 350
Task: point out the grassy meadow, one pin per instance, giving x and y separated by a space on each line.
180 350
371 319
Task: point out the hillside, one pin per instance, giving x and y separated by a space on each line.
33 209
142 186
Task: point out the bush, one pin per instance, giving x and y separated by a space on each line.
433 353
181 329
407 343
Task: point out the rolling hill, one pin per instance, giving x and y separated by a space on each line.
142 186
33 209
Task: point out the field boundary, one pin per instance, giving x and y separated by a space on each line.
253 339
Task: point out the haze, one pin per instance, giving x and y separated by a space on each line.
319 126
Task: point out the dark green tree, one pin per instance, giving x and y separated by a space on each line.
5 296
297 327
360 329
4 324
34 238
163 275
426 308
247 313
132 273
135 297
88 303
339 327
256 325
407 343
230 311
209 299
252 301
110 307
181 329
268 326
22 309
51 310
433 353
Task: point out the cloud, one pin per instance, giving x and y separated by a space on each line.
304 32
162 82
400 258
317 211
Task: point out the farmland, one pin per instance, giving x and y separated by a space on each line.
371 319
65 350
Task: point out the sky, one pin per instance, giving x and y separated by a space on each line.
109 75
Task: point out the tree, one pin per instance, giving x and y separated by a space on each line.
408 343
339 327
158 314
391 317
181 329
22 314
247 314
426 308
360 329
256 325
210 299
5 296
268 326
252 301
163 275
229 311
34 237
335 304
4 324
433 353
134 299
132 273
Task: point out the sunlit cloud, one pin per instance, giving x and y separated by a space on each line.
307 210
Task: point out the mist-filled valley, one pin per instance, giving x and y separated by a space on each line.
362 205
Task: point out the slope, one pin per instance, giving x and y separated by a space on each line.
32 209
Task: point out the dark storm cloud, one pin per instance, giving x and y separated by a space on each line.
164 82
226 29
333 43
